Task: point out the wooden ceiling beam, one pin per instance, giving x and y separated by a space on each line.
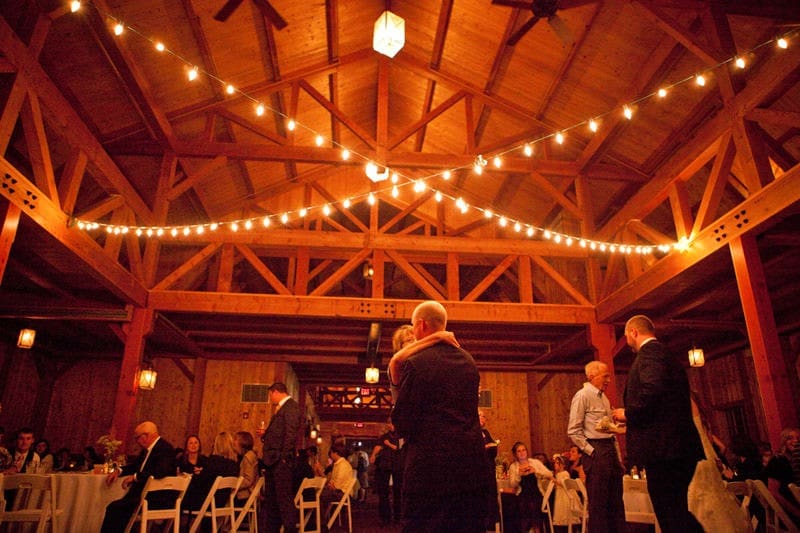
365 308
425 120
674 29
759 207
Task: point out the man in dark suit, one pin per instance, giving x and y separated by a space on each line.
447 479
156 459
279 441
661 435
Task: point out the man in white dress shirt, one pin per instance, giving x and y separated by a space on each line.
25 460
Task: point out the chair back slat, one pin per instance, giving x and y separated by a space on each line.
34 500
143 513
250 507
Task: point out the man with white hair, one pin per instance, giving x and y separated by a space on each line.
447 480
591 408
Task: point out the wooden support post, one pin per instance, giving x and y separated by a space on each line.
196 397
125 403
9 216
779 406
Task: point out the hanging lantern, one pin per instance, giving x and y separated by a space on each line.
389 34
25 339
372 375
696 357
147 379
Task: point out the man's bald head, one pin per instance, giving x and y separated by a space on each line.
428 317
145 434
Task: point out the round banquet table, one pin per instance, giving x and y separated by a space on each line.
83 497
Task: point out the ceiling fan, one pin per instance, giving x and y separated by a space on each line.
546 9
269 12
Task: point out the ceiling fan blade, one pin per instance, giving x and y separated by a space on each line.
228 9
512 3
517 35
270 13
561 30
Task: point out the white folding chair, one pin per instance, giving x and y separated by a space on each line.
309 508
775 518
551 485
34 500
249 509
638 507
143 513
795 490
335 508
579 501
744 494
211 509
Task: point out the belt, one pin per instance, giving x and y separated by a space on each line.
601 441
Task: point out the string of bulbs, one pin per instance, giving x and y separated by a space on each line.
397 180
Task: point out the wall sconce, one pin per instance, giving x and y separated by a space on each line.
696 357
26 337
367 270
372 375
389 34
147 379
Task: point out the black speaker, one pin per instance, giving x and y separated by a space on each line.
371 356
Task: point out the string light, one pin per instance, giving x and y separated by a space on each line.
419 184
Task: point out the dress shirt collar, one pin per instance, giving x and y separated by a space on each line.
280 403
646 341
592 389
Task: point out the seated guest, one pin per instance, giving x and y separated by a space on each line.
301 470
248 465
90 458
192 461
563 509
523 478
779 473
313 460
25 459
64 461
575 456
46 459
340 475
221 462
156 459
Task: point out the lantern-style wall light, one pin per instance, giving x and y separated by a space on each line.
372 375
389 34
147 379
696 357
25 339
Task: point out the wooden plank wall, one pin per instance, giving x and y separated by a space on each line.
550 398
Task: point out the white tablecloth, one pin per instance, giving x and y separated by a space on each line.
83 498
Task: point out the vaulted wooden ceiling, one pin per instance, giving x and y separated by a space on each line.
104 128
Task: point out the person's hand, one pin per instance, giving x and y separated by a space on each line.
112 476
128 481
618 414
197 469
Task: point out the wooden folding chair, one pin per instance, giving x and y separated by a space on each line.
335 508
144 513
775 518
249 509
34 501
309 508
222 487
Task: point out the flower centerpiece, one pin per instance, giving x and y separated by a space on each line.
109 445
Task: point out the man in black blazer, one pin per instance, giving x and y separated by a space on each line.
279 440
661 435
447 479
156 459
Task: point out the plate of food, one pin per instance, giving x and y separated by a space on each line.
606 425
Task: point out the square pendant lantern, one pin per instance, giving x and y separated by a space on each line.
389 34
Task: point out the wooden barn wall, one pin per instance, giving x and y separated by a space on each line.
550 398
21 383
508 417
168 403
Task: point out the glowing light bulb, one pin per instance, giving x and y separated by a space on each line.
109 229
74 6
529 231
266 222
395 177
662 93
118 28
260 110
346 203
149 232
700 80
628 112
517 227
371 199
160 46
138 232
284 218
291 125
593 245
159 232
234 226
326 210
319 140
81 224
740 63
547 234
192 74
248 225
527 150
186 231
345 154
557 238
488 213
447 175
438 196
593 125
783 43
497 162
395 192
569 241
230 89
419 186
582 243
213 226
303 212
174 232
200 230
478 168
560 138
503 222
